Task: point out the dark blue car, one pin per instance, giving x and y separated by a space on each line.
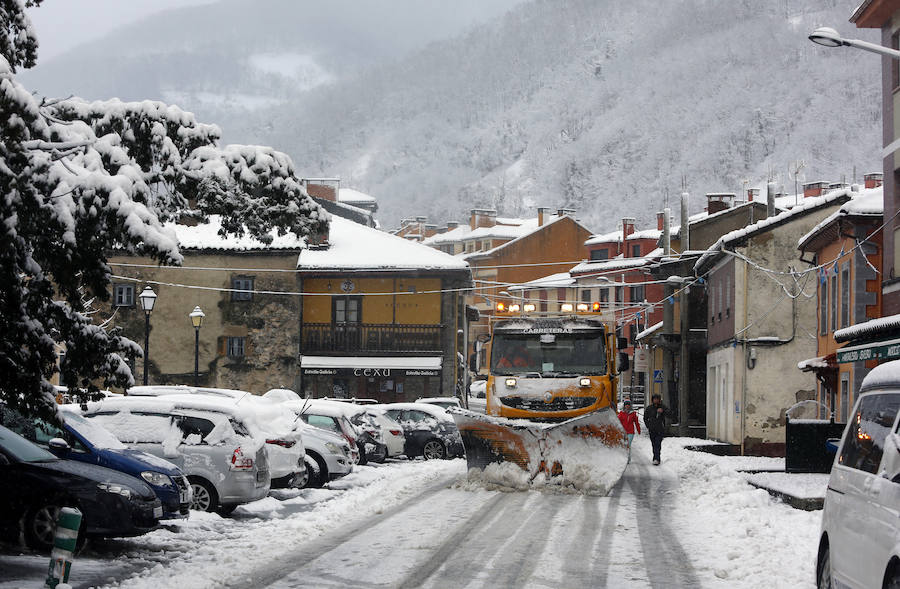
89 442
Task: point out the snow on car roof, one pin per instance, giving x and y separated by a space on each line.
437 400
882 376
433 410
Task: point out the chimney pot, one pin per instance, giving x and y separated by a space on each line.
718 201
660 220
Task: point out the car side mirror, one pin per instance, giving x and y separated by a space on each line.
59 446
621 343
4 461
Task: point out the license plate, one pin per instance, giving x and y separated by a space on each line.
157 512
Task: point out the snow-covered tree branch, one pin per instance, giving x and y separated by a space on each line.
79 179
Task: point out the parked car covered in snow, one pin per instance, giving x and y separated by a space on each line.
35 485
265 418
89 442
478 389
430 431
332 417
391 431
210 441
859 543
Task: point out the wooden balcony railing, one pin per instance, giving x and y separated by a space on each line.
371 339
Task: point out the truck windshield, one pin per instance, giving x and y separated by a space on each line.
558 355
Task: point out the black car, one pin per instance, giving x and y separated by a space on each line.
430 431
35 484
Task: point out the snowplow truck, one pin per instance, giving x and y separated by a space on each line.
551 401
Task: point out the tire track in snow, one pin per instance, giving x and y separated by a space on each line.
665 560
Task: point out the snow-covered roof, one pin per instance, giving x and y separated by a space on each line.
812 363
349 195
558 280
704 216
528 228
206 237
806 206
358 248
616 236
867 203
617 263
872 327
452 236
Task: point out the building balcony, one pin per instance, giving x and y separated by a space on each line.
371 339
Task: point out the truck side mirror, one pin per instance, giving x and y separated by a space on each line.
624 364
621 344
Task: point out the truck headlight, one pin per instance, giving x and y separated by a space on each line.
510 383
585 382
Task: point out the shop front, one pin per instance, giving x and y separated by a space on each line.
385 379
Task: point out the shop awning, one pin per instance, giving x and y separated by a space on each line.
389 362
883 350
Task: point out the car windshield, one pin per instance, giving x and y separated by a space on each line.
548 354
21 449
93 432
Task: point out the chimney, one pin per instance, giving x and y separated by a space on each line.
873 180
564 212
814 189
667 231
685 223
542 215
660 220
452 225
718 201
324 188
627 229
770 199
482 218
752 194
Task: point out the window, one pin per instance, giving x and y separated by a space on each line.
632 333
243 287
604 297
637 294
194 426
346 309
895 65
834 298
823 309
866 431
636 250
845 395
845 295
586 295
123 295
600 254
236 347
619 293
719 304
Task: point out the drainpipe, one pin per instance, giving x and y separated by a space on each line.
685 224
771 199
667 235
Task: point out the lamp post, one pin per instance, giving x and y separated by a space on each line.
196 320
148 299
830 38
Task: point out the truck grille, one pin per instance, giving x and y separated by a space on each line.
557 404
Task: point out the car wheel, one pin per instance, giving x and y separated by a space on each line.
205 496
318 471
823 576
434 449
892 580
40 527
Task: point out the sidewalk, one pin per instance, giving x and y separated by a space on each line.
799 490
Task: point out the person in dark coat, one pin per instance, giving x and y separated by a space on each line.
655 419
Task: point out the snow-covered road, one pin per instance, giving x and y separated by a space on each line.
691 522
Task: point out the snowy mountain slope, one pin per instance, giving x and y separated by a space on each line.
595 104
598 105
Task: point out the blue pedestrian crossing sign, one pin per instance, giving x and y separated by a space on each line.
658 376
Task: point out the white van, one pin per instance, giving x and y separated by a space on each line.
859 543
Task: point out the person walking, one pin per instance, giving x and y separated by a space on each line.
630 422
655 419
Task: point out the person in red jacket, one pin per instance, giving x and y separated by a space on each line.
630 422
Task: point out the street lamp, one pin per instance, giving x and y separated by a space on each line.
196 320
830 38
148 299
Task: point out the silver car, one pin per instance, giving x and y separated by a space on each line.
224 463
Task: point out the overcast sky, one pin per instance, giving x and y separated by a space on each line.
63 24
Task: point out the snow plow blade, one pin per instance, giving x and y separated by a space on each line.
587 452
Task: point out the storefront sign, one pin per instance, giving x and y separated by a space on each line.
885 351
371 372
330 371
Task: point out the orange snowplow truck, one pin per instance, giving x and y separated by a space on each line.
551 369
560 370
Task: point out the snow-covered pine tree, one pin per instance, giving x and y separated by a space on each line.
81 179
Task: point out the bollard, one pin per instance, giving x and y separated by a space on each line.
64 540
